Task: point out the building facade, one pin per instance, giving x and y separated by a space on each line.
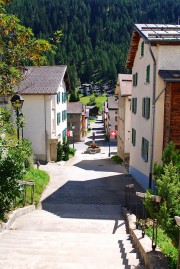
123 92
44 92
154 59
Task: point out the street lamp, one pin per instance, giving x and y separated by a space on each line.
17 103
73 127
177 219
109 141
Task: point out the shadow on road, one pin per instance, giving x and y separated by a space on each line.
100 198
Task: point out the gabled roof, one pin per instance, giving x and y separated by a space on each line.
74 107
43 80
125 84
112 102
153 34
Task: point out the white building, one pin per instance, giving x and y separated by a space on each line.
45 108
123 92
154 59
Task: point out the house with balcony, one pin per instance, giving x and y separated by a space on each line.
153 57
44 92
123 93
76 121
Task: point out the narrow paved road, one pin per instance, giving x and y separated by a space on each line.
79 223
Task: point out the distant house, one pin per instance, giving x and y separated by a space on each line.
154 59
111 114
123 92
76 117
92 111
45 108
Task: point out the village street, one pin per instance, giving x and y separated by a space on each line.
79 223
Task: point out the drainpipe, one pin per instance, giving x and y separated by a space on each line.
45 129
153 118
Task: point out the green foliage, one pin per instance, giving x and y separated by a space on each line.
117 159
64 152
59 152
74 96
65 147
96 33
167 246
14 157
167 182
40 178
18 46
92 101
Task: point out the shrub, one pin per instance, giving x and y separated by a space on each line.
168 187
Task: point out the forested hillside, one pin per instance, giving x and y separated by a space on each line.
96 33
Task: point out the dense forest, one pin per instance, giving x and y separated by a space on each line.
96 33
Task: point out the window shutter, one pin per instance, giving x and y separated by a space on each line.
143 107
142 48
144 149
133 136
148 73
136 79
147 108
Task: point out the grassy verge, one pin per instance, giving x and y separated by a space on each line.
40 178
99 100
167 246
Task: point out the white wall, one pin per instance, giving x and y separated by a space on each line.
34 130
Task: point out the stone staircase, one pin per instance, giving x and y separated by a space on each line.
42 240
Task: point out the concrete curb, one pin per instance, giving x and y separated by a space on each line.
152 259
14 215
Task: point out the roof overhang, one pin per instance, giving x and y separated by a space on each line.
153 34
170 75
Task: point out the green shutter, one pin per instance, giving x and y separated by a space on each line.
133 136
143 107
133 79
148 73
136 79
142 48
144 149
147 108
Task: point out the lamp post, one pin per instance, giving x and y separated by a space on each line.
17 103
73 127
109 141
177 219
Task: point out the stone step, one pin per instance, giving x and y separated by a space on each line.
33 247
46 221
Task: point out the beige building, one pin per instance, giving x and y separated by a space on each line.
154 59
45 108
123 92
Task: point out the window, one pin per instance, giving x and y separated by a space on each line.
142 49
63 97
58 97
148 74
133 137
134 105
58 118
135 79
64 133
64 115
144 149
146 107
